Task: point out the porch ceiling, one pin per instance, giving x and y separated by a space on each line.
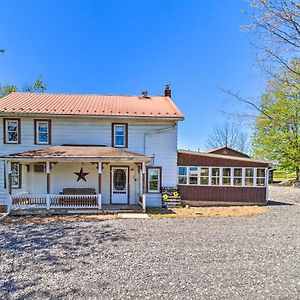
78 152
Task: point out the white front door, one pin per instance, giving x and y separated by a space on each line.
119 185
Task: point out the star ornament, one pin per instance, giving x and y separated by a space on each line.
81 175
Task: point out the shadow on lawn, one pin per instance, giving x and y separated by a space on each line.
51 248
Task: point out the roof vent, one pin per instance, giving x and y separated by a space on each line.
145 94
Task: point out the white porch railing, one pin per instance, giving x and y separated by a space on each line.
55 201
29 201
142 201
73 201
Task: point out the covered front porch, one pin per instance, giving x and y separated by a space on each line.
76 178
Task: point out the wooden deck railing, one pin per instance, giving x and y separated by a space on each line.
38 201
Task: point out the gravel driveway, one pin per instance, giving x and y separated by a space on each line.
217 258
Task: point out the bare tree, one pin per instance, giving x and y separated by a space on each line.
228 135
276 23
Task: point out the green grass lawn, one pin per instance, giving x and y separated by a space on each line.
280 175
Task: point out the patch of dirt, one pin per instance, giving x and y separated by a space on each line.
194 212
52 219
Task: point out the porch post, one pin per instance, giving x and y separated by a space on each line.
48 184
8 170
99 185
144 185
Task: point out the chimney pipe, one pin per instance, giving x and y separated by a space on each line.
167 91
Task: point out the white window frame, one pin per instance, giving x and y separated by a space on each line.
226 177
158 190
249 177
124 126
37 132
238 177
196 175
261 177
7 141
18 174
203 176
216 176
183 176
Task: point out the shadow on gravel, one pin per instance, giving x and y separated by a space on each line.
277 203
50 247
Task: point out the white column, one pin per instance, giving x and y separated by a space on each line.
254 177
221 176
9 186
267 175
48 184
99 185
243 176
209 175
144 185
232 176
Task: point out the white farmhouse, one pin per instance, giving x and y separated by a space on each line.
79 151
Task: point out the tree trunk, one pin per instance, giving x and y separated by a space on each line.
297 173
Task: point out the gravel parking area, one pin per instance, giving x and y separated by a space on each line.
254 257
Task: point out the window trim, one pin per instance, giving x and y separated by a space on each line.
5 133
19 175
113 135
159 180
36 121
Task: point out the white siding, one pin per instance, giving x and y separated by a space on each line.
92 131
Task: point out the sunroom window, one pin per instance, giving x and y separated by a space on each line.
249 176
193 175
204 176
237 176
182 175
260 178
215 176
226 179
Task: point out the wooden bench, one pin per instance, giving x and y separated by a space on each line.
77 200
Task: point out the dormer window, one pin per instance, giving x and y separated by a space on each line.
42 132
120 135
12 131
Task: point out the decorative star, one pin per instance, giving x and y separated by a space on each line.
81 175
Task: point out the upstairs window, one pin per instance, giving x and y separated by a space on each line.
12 131
260 179
42 132
182 175
120 135
154 180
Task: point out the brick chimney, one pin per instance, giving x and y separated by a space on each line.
168 91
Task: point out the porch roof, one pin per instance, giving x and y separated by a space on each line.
78 152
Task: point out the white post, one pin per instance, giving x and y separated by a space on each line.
221 176
209 175
255 177
243 176
48 200
144 185
267 175
9 186
99 185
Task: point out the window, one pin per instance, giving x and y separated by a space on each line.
182 175
204 176
16 175
119 135
39 168
12 131
237 176
42 132
226 179
249 177
215 176
260 178
193 175
154 180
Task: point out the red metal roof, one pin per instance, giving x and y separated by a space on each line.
89 105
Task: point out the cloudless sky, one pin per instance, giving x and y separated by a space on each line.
126 46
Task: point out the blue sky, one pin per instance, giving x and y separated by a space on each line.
124 47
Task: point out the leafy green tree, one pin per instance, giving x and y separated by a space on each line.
277 127
37 87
